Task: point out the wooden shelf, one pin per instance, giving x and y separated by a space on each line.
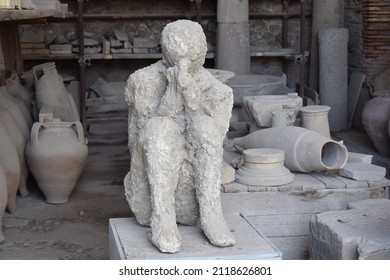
100 56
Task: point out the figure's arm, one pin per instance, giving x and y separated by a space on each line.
218 104
132 115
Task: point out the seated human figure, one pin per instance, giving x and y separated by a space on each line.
178 117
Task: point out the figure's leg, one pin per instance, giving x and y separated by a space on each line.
186 205
206 147
164 151
137 186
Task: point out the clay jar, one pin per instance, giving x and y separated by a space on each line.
50 90
3 200
9 161
375 116
305 150
17 138
56 155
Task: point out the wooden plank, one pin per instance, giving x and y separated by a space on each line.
330 181
105 100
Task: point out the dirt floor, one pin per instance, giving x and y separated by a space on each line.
78 229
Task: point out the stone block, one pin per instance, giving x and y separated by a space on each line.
128 241
358 157
358 233
363 171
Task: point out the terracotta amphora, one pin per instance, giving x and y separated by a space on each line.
9 100
15 111
17 90
3 201
305 150
9 160
56 155
375 116
20 144
50 90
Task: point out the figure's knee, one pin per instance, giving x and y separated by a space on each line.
161 141
204 132
159 126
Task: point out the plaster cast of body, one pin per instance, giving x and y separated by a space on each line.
178 117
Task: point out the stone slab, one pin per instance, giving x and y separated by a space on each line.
363 171
128 240
359 157
359 233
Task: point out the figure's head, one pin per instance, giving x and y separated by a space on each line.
184 39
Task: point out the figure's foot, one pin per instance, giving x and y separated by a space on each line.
168 239
217 231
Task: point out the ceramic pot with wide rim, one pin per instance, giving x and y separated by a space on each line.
9 160
56 155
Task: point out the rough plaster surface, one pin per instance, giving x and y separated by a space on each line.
359 233
178 117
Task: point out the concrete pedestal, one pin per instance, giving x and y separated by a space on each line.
129 241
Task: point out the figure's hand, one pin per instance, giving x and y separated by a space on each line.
183 65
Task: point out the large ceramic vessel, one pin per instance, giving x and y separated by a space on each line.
56 156
17 90
9 160
305 150
3 200
19 142
8 104
51 91
375 117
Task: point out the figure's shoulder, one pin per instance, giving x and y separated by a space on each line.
153 71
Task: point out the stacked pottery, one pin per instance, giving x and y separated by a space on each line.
56 155
375 118
3 200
